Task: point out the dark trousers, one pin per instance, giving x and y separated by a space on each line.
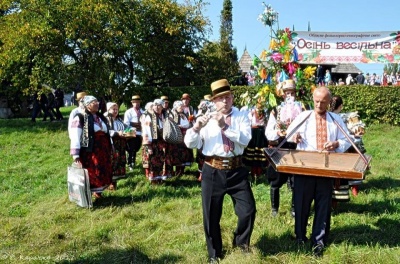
307 189
214 185
133 146
277 180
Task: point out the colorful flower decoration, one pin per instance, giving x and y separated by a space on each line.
280 61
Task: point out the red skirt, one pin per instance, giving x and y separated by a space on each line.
98 162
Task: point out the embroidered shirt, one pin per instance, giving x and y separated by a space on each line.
210 139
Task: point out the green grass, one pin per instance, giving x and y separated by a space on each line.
140 223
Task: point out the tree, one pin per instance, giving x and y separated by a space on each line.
104 47
391 68
228 52
218 60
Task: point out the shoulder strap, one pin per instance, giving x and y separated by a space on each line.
291 134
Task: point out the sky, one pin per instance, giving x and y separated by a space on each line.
323 16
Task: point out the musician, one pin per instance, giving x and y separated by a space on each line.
132 118
223 135
280 118
317 133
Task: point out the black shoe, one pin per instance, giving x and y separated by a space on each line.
213 260
318 250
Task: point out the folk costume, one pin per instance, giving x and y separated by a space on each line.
223 173
132 119
315 131
153 150
119 142
91 143
278 121
254 155
179 154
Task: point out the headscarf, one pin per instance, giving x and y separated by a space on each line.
88 99
177 104
109 105
158 102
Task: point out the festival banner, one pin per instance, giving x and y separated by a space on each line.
347 47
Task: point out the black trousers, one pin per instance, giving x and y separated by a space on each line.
214 185
277 179
133 146
307 189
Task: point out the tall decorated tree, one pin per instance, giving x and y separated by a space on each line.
279 63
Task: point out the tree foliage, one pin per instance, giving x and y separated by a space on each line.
103 46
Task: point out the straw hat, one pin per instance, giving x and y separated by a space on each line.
164 98
207 97
220 87
135 97
288 85
80 95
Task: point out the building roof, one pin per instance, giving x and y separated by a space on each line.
345 68
245 61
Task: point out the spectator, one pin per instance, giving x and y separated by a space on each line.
320 75
327 77
349 79
59 102
360 79
44 105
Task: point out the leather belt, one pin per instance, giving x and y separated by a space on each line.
224 163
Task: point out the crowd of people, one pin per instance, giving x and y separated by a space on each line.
230 145
386 79
48 105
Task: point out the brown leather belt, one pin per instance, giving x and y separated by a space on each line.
224 163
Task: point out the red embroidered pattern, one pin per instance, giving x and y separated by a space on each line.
322 134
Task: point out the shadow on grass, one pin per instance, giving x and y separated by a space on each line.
183 187
381 183
385 232
374 208
132 256
22 124
269 245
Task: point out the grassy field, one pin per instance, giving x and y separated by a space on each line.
140 223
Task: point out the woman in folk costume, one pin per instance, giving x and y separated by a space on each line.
91 145
254 155
278 122
153 147
341 186
180 155
117 128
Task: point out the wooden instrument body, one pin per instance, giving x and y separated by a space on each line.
320 164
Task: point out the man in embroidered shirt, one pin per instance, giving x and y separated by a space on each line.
317 133
132 118
223 135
